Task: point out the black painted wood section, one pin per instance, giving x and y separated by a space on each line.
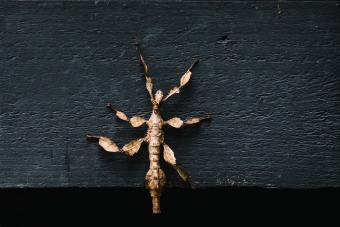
268 75
102 204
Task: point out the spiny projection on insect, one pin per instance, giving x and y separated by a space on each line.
155 178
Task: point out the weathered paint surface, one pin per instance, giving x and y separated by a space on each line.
269 79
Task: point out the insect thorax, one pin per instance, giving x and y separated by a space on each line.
155 132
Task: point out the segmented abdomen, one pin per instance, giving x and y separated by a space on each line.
155 177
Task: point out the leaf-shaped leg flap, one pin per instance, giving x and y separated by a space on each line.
133 147
170 158
106 143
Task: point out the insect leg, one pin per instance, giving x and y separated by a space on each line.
177 122
184 80
134 121
108 145
195 120
148 79
169 157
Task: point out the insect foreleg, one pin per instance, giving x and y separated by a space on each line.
148 79
184 80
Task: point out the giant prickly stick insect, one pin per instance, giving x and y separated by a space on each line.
155 179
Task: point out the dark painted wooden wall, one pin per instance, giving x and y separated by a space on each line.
269 76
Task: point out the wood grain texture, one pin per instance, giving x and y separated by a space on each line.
268 77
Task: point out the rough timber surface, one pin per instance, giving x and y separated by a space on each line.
268 76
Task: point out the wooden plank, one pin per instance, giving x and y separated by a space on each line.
267 76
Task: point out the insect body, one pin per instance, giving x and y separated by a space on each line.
155 178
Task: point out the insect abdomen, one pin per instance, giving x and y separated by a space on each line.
155 178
